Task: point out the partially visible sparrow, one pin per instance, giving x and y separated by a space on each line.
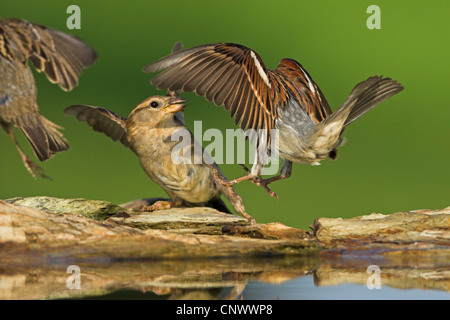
286 99
148 132
61 57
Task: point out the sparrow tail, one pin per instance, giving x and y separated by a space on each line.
369 94
43 136
364 96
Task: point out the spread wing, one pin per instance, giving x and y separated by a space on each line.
60 56
235 77
101 120
228 74
304 89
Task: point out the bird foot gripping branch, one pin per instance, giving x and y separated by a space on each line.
158 205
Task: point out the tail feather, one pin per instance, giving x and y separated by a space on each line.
366 95
369 94
44 137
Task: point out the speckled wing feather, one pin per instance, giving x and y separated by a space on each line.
60 56
101 120
18 105
235 77
303 89
230 75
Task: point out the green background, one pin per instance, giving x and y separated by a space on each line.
396 157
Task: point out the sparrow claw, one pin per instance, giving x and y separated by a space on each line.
158 205
230 194
258 181
34 169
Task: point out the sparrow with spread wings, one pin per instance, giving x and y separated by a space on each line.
152 131
61 57
286 99
148 132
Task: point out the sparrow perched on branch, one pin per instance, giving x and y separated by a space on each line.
286 99
149 132
61 57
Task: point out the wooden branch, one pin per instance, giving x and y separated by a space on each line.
413 230
168 250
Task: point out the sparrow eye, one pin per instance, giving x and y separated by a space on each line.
154 104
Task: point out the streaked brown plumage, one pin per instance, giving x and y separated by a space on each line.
61 57
149 132
286 99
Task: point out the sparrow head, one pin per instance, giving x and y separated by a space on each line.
157 110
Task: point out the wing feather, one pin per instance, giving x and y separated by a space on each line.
60 56
101 120
230 75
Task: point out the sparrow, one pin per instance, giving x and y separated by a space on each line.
61 57
285 103
148 132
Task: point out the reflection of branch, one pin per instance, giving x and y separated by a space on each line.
391 276
235 292
178 278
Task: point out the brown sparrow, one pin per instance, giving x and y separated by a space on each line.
149 132
286 99
61 57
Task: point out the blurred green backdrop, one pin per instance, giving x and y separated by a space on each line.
396 157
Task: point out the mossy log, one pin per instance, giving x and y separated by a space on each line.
412 230
34 235
76 228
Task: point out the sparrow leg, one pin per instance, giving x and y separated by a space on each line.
258 181
158 205
32 167
230 194
255 178
254 173
225 182
248 176
286 171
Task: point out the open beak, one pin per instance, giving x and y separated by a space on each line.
175 105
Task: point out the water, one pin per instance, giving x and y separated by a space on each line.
296 289
406 276
305 289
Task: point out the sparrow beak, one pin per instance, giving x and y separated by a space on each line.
175 105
